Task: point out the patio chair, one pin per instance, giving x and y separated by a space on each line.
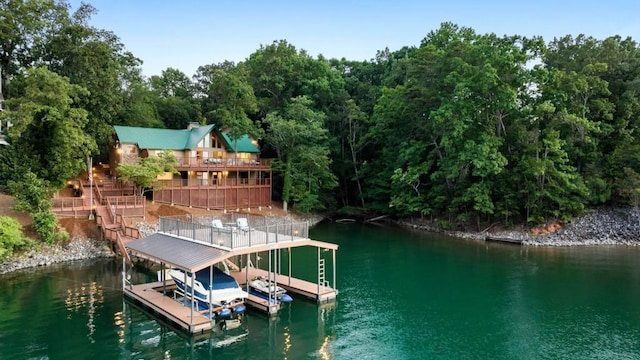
217 223
242 224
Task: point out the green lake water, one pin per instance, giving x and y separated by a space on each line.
402 295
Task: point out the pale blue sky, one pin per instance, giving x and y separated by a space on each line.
187 34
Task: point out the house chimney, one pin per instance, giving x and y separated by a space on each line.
193 125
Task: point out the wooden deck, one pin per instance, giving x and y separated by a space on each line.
293 285
150 295
261 304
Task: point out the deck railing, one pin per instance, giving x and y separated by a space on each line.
125 206
230 236
68 203
224 162
163 184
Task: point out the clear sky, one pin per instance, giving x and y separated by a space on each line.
185 34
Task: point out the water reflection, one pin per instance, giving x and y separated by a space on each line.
85 296
142 335
326 317
141 331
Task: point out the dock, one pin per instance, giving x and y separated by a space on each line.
302 288
506 240
171 310
193 244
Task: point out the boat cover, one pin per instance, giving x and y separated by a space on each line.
220 279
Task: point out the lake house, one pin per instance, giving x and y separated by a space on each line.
216 171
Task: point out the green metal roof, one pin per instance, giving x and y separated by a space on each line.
162 139
245 144
170 139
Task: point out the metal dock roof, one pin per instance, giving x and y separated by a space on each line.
177 251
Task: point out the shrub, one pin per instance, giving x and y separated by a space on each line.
445 225
47 227
11 236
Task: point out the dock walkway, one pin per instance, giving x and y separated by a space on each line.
307 289
150 295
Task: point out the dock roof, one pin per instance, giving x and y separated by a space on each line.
183 253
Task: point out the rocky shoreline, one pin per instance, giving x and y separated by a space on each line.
604 226
76 249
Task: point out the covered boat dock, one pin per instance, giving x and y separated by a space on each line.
192 244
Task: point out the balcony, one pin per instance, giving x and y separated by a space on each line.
221 164
224 182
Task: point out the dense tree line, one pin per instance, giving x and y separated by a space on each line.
465 127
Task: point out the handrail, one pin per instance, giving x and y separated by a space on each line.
161 184
222 162
201 229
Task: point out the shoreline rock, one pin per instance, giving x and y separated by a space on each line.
602 226
76 249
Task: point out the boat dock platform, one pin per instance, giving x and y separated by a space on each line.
192 244
150 296
306 289
506 240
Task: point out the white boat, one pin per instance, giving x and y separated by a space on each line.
223 295
266 289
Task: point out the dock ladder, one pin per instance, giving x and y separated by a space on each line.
321 273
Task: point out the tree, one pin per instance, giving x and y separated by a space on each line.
139 107
298 136
49 131
176 112
277 73
96 60
229 101
146 170
172 83
174 101
24 24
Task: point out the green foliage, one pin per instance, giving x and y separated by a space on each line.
277 74
31 193
11 236
34 195
299 139
47 227
96 60
146 171
445 224
629 186
172 83
48 132
231 99
177 113
139 108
